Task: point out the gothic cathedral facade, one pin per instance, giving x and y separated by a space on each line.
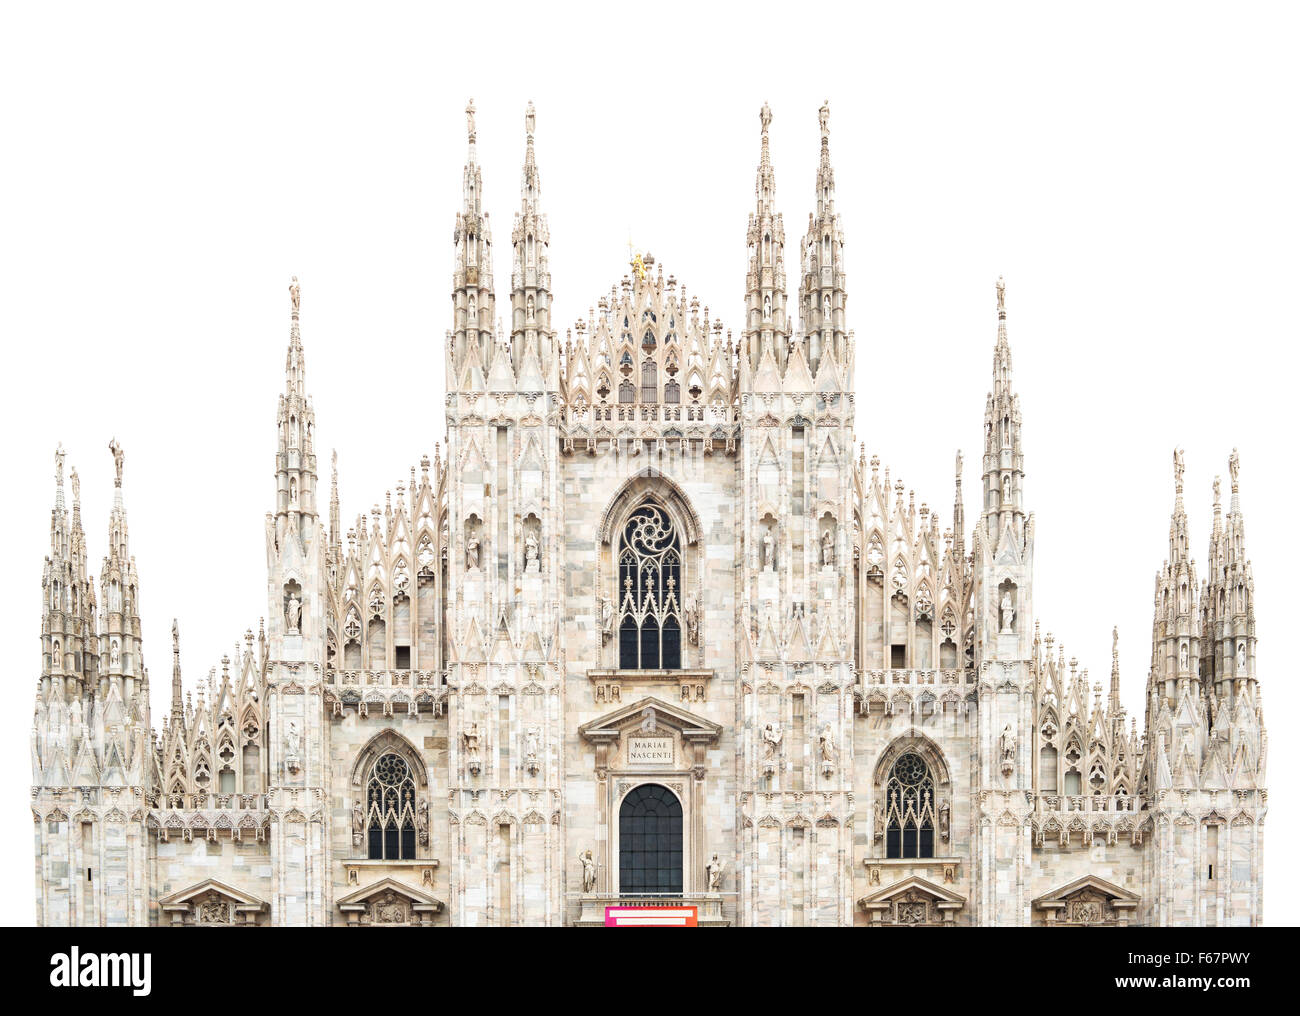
650 634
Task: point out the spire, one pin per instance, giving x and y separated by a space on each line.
68 621
470 343
766 324
295 361
958 516
120 641
178 702
531 185
1178 521
117 538
1228 606
825 175
532 342
295 458
1004 464
58 477
335 529
1114 672
1002 351
1175 629
822 295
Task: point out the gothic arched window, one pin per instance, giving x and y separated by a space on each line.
909 797
650 841
390 809
649 382
649 585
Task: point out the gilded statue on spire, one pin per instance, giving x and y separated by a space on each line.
118 456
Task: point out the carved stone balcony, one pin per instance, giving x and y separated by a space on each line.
708 907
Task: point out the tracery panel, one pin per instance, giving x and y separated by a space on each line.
650 578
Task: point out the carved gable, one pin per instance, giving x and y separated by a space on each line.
1088 902
391 904
212 904
913 903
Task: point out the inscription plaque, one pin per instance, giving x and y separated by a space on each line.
649 751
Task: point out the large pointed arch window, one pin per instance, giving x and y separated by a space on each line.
909 797
650 583
390 809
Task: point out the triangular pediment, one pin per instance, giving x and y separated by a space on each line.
665 715
913 883
416 897
1100 885
238 897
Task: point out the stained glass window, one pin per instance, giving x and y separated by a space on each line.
650 578
390 809
909 803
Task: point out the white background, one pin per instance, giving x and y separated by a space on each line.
1130 168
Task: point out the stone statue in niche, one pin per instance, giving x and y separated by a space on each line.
828 549
531 560
1007 749
714 870
826 748
293 614
292 745
771 735
532 749
692 623
1182 656
1241 658
114 652
606 619
471 551
945 814
471 737
422 822
1008 612
1006 487
358 822
588 871
769 547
